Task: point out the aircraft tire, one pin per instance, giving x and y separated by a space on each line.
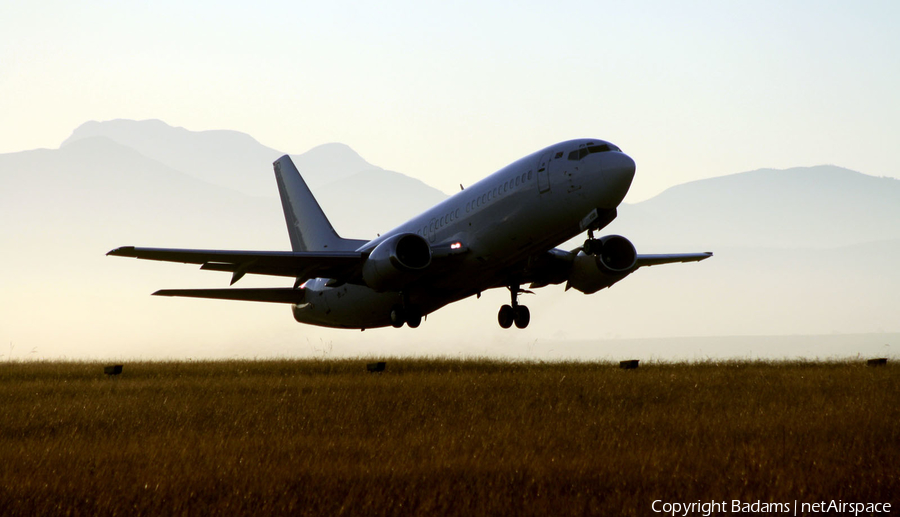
413 318
522 316
397 317
592 247
506 316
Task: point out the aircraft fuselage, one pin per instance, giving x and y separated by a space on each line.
525 209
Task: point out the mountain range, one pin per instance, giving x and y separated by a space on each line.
130 173
797 251
805 207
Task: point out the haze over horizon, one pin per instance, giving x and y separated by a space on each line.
796 267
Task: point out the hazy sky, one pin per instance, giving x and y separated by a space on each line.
451 91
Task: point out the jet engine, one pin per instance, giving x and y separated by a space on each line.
613 258
396 262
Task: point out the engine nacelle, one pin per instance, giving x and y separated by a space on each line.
614 261
396 262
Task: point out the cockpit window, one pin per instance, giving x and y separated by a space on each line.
591 149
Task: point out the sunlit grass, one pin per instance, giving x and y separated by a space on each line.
441 436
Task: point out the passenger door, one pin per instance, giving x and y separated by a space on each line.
543 173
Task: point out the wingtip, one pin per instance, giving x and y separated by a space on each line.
122 251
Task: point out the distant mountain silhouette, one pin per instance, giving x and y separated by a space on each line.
328 163
371 212
238 162
808 207
227 158
98 191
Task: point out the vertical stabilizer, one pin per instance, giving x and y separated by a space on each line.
307 224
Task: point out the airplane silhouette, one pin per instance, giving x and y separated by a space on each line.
501 232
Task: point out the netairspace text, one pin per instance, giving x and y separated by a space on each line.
790 508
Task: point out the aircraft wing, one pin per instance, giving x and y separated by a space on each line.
554 266
655 260
265 294
302 265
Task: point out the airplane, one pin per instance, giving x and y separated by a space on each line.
501 232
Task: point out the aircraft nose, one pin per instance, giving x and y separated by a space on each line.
617 172
622 168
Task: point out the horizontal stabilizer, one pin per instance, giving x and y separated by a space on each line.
655 260
267 294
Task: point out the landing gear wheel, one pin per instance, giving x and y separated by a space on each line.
592 247
506 316
522 316
413 318
397 317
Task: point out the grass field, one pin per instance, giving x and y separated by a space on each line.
441 437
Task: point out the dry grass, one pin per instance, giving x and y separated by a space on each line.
441 436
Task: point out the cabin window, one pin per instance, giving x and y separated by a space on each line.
529 175
457 213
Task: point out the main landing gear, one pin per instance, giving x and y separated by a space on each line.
409 315
514 313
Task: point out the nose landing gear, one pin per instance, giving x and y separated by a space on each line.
514 313
592 246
